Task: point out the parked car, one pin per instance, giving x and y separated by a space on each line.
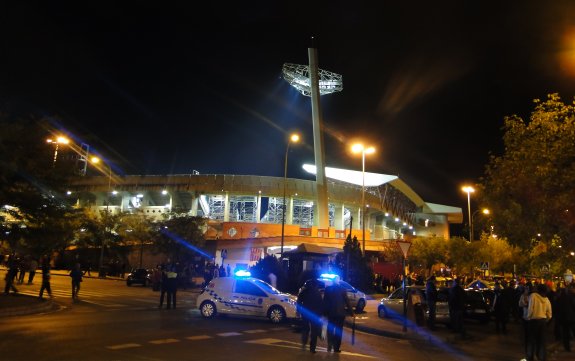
140 276
246 296
392 305
478 304
355 296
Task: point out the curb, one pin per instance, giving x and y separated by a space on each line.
40 306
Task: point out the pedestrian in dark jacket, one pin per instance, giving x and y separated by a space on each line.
172 286
45 278
310 307
336 307
566 315
502 306
457 307
431 295
11 274
76 275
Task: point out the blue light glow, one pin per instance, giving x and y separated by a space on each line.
243 273
184 242
328 275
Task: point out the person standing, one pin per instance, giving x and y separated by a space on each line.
33 268
45 278
336 306
431 295
457 307
538 313
172 287
566 314
11 274
163 286
502 306
310 307
273 279
76 275
228 270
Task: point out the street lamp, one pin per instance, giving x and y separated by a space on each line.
356 148
484 211
57 141
469 190
96 160
294 138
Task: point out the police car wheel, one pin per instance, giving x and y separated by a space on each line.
208 309
276 314
360 305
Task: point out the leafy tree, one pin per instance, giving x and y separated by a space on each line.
39 218
428 251
180 236
135 229
530 186
353 265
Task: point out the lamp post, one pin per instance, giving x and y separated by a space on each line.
57 141
294 138
96 160
469 190
357 148
484 211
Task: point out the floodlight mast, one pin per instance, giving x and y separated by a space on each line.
313 82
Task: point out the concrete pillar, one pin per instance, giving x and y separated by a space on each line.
194 206
289 209
227 207
259 207
338 222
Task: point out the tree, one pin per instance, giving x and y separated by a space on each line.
428 251
180 236
135 229
530 186
353 265
39 217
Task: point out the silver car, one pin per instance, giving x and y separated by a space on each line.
392 305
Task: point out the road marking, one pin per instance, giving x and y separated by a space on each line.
199 337
164 341
254 331
296 345
228 334
123 346
280 329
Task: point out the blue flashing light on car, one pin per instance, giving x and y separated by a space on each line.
243 273
330 276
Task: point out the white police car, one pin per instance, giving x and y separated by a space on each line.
245 296
356 298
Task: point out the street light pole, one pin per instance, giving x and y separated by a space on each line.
293 138
469 190
96 160
57 141
356 148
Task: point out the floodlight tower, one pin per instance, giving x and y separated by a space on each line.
313 82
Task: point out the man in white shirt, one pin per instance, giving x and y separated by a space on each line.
538 313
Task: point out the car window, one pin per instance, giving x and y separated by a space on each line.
248 288
347 286
266 287
398 293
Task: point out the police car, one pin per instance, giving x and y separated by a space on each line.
244 295
355 296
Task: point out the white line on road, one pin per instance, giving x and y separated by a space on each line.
254 331
199 337
295 345
228 334
126 345
164 341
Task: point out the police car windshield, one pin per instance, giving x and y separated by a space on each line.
266 287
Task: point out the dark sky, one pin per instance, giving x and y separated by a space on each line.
181 86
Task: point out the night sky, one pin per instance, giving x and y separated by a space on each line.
180 86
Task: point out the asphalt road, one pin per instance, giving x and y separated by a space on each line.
115 322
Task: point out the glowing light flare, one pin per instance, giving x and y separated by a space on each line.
294 138
183 242
468 189
243 273
566 56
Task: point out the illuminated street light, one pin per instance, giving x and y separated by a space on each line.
294 138
485 211
57 141
96 160
469 190
357 148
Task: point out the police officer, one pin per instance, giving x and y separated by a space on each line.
310 307
336 306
